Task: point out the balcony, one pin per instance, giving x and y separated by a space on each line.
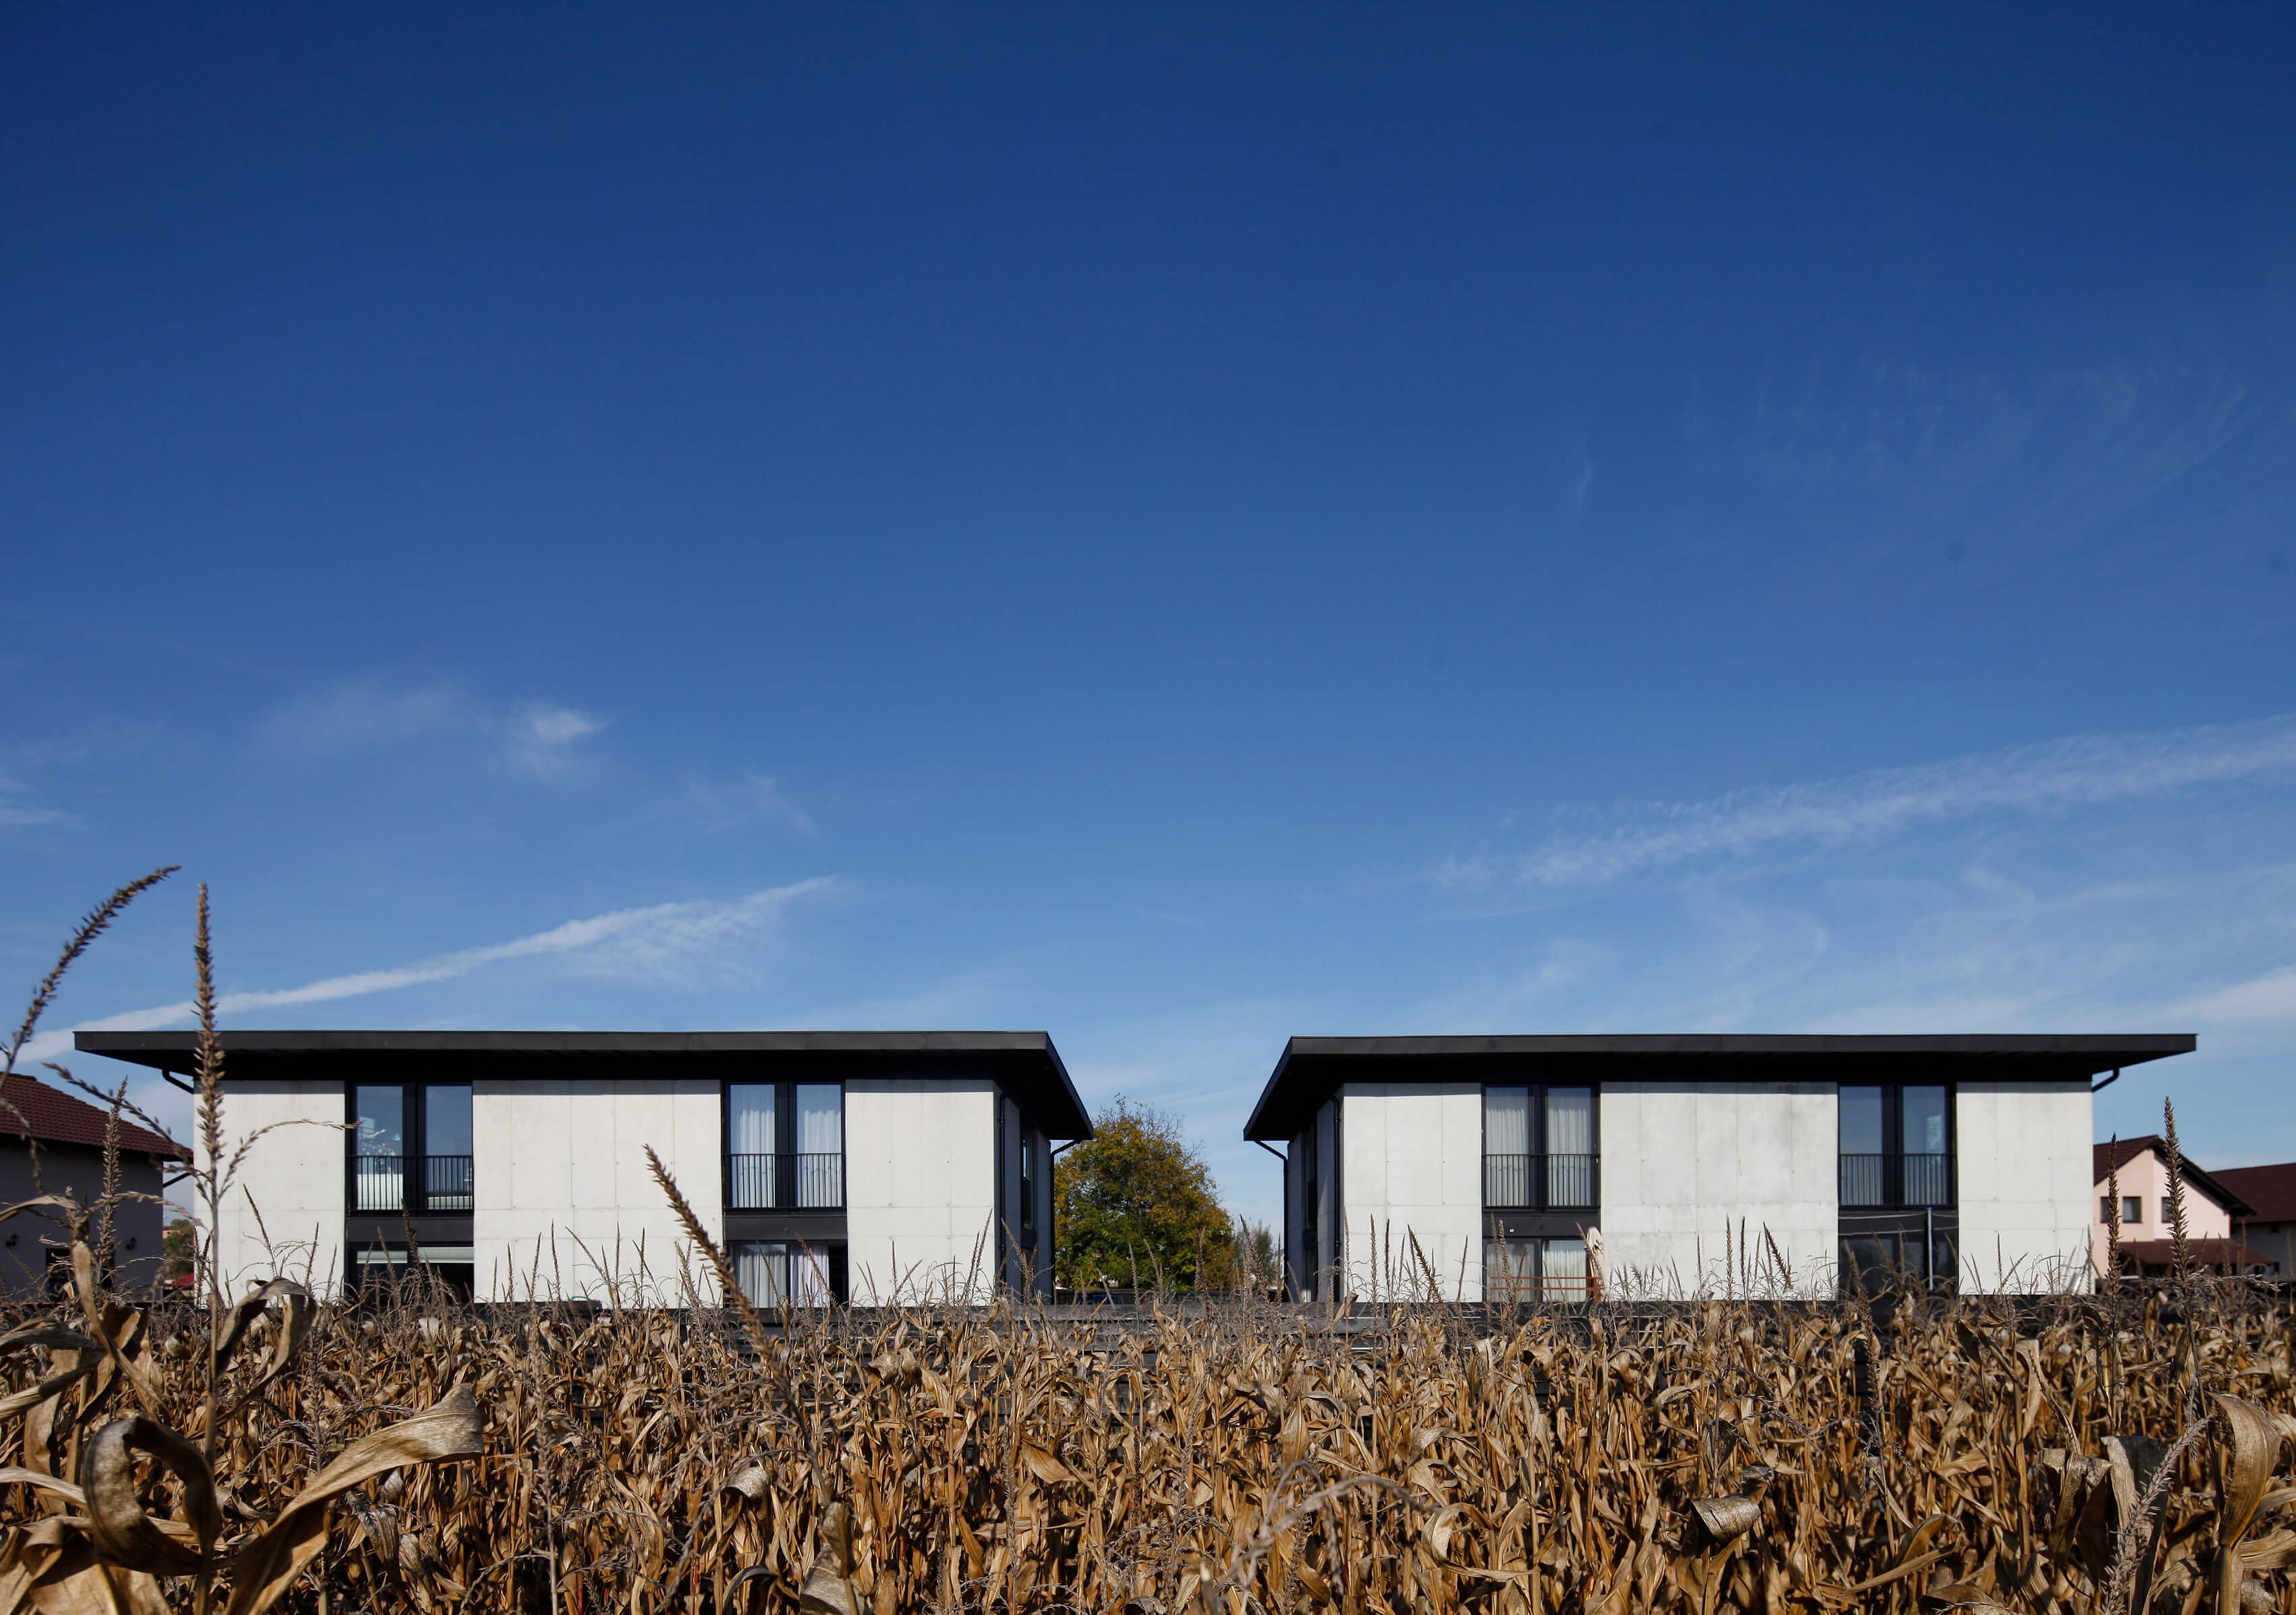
776 1183
444 1184
1539 1182
1896 1180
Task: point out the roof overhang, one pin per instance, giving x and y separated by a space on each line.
1312 1068
1024 1064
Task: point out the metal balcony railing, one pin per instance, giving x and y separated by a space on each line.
1896 1180
378 1183
447 1182
772 1183
1539 1183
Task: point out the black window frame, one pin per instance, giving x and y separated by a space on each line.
416 1195
1543 1200
785 1183
1893 1153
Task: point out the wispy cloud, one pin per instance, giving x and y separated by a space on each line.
542 738
2085 770
747 798
16 812
537 738
660 944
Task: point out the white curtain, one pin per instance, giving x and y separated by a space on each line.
820 1119
750 1107
1570 1121
1506 1121
1510 1266
759 1269
809 1278
1564 1270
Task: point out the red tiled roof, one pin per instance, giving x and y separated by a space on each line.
2271 1190
55 1118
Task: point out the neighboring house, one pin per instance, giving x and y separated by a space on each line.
867 1167
1511 1166
53 1143
2270 1228
2213 1210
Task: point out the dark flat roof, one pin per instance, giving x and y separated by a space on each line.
1310 1068
1025 1063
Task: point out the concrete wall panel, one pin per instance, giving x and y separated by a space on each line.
296 1178
564 1202
2023 1161
920 1188
1684 1164
1412 1169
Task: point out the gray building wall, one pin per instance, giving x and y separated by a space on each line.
25 1240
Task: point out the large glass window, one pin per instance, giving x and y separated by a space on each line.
1923 1129
1863 1151
1538 1148
820 1144
773 1273
446 1179
411 1148
750 1145
379 1148
784 1146
1527 1270
1897 1144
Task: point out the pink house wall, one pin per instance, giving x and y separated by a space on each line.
2147 1176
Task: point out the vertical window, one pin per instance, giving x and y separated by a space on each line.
1535 1270
772 1273
1507 1147
1028 1181
820 1144
2105 1209
1538 1148
1923 1132
379 1148
1570 1148
2132 1209
1863 1151
446 1179
750 1146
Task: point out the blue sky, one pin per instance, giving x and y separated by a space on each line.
1178 531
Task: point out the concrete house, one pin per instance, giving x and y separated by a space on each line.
1516 1166
862 1166
2138 1167
51 1142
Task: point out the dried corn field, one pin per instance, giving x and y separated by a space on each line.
1714 1458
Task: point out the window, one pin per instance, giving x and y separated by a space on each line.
1028 1181
379 1150
2132 1209
1896 1146
2105 1209
773 1273
1535 1270
446 1181
1538 1148
777 1164
411 1148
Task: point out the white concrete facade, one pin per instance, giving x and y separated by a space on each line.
2024 1160
1687 1167
1411 1171
563 1204
284 1213
920 1189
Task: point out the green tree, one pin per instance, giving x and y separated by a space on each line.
1137 1205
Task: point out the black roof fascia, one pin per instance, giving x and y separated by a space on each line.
1312 1067
1025 1064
